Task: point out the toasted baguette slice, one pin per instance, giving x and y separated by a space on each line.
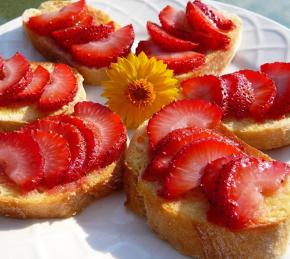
217 61
183 223
61 201
47 47
12 118
266 135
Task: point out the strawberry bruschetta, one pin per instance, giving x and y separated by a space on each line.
55 166
31 90
78 35
196 41
206 192
255 104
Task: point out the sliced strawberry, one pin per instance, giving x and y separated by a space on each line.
1 68
81 34
167 41
279 72
180 62
103 52
56 154
174 22
66 17
92 140
75 141
108 126
34 90
264 92
211 174
168 146
186 167
85 21
206 87
16 75
203 30
241 188
182 114
240 95
60 91
220 21
21 159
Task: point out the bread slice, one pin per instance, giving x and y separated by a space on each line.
183 223
50 50
217 61
12 118
60 201
266 135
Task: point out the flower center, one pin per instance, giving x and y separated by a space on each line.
141 93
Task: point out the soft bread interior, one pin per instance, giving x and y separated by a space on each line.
14 117
269 134
62 200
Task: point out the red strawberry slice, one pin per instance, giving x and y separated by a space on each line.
103 52
66 17
211 174
206 87
203 30
92 140
264 92
168 146
85 21
21 159
1 67
279 72
241 188
167 41
34 90
240 94
186 167
180 62
60 91
56 154
108 126
182 114
174 22
220 21
16 75
75 141
81 34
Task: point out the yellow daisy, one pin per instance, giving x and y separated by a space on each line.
138 87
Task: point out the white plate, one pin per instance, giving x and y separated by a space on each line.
106 229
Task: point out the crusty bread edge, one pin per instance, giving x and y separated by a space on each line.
67 200
199 239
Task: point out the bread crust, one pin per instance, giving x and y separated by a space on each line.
51 51
61 201
12 118
193 235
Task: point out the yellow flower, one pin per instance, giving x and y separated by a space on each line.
138 87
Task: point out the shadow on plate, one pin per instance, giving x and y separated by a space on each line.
115 231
